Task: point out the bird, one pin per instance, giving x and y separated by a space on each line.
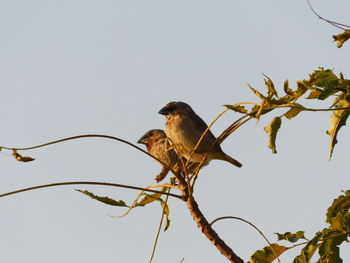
157 145
184 128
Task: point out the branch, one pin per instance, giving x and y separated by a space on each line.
333 23
246 221
210 233
80 137
91 183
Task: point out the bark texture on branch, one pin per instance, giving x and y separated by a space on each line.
210 233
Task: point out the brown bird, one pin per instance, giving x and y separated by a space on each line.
184 128
157 145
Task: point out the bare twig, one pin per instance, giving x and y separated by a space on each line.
333 23
80 137
90 183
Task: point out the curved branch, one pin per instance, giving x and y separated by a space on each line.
90 183
210 233
249 223
333 23
80 137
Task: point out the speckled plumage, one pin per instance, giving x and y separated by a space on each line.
158 146
184 128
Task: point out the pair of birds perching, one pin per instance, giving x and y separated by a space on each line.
182 132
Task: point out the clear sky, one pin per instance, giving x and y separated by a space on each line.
76 67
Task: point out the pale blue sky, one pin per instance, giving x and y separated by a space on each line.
76 67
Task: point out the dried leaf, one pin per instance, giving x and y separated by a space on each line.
21 158
337 120
104 199
267 254
272 130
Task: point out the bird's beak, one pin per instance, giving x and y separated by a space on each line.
164 111
142 140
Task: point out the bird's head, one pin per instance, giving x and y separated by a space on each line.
176 108
152 136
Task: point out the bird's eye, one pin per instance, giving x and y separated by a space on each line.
151 134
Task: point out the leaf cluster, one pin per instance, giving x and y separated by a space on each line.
321 85
147 199
326 241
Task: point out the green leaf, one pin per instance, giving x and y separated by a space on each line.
338 215
272 130
309 250
329 248
237 108
294 111
341 38
291 237
105 199
267 254
326 81
338 119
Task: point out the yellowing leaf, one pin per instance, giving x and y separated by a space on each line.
337 120
341 38
257 93
149 199
271 91
286 88
272 130
267 254
294 111
237 108
314 94
105 199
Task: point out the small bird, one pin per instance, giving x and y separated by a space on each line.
157 145
184 128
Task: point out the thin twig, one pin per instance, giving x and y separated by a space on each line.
205 132
90 183
159 227
80 137
333 23
246 221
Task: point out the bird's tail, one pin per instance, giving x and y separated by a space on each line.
231 160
